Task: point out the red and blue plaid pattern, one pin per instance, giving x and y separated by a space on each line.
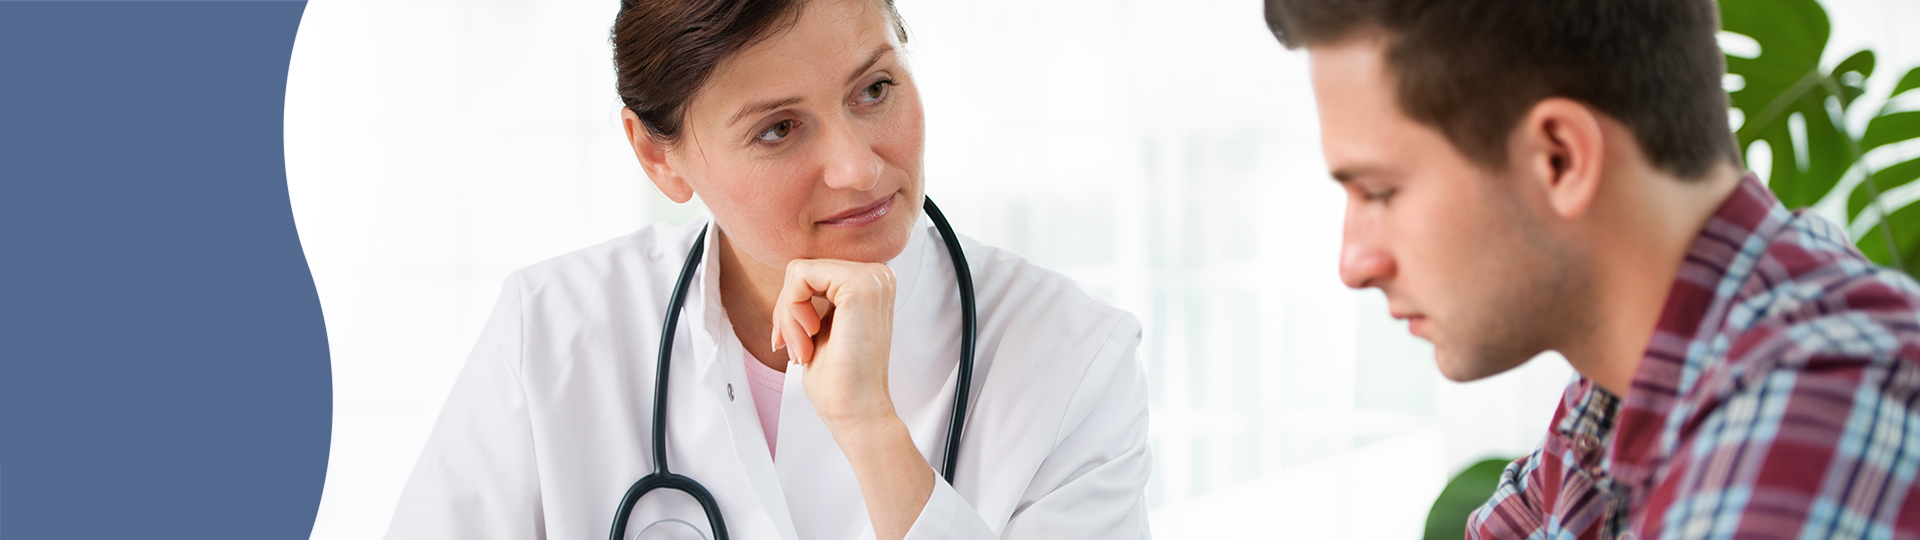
1779 398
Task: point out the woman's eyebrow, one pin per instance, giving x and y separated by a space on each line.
774 104
871 60
760 107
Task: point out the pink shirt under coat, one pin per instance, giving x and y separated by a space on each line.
766 385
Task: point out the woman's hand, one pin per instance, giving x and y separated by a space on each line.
836 318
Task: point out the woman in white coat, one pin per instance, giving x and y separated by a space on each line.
813 371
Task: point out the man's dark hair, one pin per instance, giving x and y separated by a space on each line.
1472 68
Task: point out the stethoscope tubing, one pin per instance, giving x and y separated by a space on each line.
662 477
964 276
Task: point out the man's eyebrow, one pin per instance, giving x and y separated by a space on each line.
761 107
871 60
1351 171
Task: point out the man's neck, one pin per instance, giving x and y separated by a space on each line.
1645 222
748 290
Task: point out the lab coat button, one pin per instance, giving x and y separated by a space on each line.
729 391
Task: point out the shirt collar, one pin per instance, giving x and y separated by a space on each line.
1719 259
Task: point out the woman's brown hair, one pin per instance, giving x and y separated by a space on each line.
664 50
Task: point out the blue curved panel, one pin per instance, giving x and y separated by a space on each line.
163 361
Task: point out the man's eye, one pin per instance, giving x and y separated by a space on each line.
777 132
875 92
1379 196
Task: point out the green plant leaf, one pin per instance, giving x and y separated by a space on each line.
1906 235
1860 64
1793 30
1464 494
1785 82
1798 181
1909 82
1791 33
1785 101
1890 128
1885 179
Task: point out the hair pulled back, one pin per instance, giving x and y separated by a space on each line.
664 50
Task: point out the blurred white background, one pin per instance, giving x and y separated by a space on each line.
1162 152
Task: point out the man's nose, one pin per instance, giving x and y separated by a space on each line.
851 161
1362 267
1363 264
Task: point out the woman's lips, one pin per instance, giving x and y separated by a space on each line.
862 215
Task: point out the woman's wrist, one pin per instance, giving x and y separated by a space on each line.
864 422
863 409
895 480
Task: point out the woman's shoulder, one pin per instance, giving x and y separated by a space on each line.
592 282
1056 354
1036 305
643 255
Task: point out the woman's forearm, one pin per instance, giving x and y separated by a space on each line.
894 478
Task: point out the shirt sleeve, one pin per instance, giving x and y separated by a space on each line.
476 478
1825 449
1093 484
1531 489
1515 509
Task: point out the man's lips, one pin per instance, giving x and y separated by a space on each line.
861 216
1416 323
1410 316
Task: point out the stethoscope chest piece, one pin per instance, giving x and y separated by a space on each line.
670 529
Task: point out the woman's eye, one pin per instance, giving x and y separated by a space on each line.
876 91
777 132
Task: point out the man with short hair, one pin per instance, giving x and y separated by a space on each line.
1533 175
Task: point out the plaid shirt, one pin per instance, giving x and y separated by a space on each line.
1778 398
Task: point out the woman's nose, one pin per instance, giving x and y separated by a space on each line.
851 161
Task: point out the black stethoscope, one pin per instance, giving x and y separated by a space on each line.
662 478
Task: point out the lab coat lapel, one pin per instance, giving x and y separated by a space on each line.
722 376
907 266
926 344
822 493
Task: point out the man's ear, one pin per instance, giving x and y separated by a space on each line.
1560 145
653 157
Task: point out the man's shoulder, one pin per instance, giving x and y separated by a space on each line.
1813 303
1808 386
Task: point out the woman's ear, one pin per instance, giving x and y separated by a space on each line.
652 154
1559 145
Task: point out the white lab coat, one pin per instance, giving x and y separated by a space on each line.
548 424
